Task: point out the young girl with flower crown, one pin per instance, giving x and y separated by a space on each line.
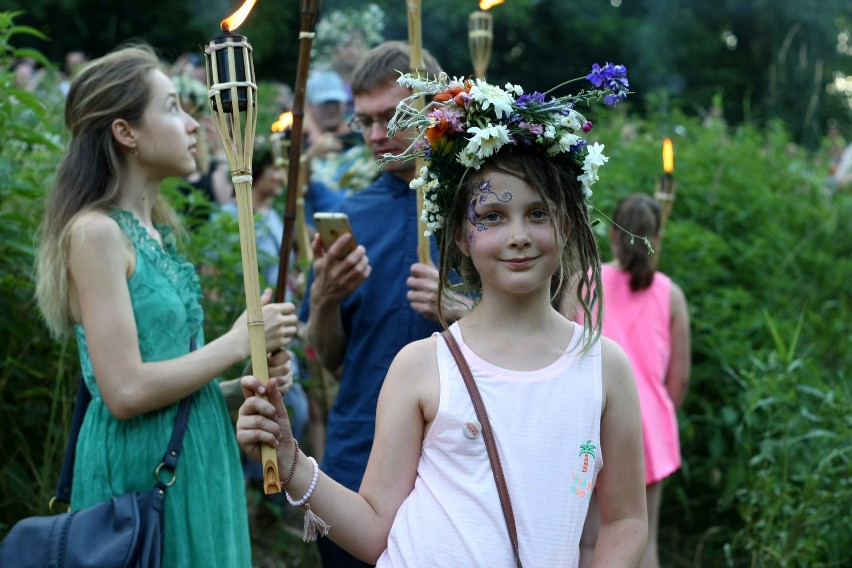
506 190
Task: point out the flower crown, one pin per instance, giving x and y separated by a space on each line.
469 120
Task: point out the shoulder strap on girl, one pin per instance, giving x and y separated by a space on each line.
488 437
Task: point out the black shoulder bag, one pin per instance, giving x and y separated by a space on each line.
125 531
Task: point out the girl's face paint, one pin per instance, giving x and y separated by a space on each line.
481 195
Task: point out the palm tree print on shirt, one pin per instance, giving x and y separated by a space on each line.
586 450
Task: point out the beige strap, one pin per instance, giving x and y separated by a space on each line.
488 438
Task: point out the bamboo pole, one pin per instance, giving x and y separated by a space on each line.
415 60
232 95
308 20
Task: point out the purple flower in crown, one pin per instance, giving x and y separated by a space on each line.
615 79
579 145
524 100
536 129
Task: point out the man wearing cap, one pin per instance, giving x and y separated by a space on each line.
339 159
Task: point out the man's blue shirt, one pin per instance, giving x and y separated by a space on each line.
377 317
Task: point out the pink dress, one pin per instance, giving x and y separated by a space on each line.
640 323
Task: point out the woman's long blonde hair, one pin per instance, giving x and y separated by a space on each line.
90 173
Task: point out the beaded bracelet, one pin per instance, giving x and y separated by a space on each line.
292 469
311 488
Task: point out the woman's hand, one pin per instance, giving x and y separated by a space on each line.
279 321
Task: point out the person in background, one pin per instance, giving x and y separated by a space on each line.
359 311
646 313
108 272
343 37
74 61
340 162
212 174
841 175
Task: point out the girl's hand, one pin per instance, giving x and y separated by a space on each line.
264 421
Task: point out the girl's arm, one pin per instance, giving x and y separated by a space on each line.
621 483
360 522
677 379
100 261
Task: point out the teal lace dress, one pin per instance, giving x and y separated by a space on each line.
206 521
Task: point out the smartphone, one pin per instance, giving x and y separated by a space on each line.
330 226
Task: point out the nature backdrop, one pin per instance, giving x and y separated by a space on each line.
758 243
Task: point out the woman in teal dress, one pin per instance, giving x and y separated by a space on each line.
108 271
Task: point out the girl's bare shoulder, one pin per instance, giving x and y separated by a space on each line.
615 366
418 357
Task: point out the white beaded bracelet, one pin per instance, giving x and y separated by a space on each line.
311 488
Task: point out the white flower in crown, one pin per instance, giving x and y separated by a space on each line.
423 84
487 141
594 159
492 96
572 120
516 89
564 144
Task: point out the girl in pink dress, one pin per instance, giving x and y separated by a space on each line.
646 313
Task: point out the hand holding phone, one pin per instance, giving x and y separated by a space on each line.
330 226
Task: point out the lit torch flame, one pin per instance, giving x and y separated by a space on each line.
284 122
233 21
668 156
486 4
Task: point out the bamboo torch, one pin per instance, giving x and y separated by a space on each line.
232 91
480 36
415 62
308 22
665 194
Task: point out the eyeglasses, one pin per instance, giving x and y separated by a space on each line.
362 123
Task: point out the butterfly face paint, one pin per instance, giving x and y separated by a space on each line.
481 195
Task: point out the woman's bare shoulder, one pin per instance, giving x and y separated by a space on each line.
94 228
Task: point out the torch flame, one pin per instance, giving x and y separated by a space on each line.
284 122
668 156
486 4
233 21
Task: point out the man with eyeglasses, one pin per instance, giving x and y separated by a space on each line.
361 310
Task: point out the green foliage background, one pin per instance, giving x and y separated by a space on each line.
760 250
762 59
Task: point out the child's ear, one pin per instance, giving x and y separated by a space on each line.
461 240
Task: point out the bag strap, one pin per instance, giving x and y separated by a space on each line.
170 458
488 437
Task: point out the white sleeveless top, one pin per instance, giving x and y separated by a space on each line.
547 427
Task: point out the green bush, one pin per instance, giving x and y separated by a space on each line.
765 429
37 380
